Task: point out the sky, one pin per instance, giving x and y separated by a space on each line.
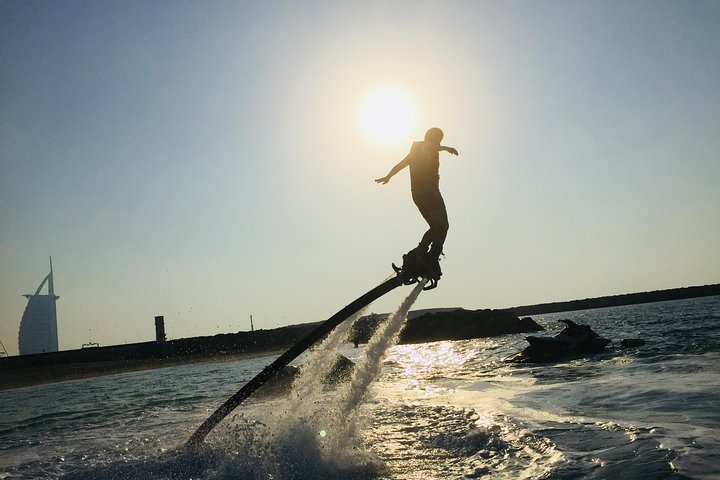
206 161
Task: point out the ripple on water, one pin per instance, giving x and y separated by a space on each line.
417 441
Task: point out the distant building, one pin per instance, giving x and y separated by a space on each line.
38 327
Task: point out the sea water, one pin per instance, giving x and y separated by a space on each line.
437 410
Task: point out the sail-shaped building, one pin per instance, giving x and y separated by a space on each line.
38 327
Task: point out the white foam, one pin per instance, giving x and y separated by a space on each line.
316 430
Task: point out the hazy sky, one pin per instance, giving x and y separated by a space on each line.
205 160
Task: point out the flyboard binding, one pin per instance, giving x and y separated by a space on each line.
417 265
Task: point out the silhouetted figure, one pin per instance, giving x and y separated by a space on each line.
424 162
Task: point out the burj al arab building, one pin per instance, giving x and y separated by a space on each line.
38 327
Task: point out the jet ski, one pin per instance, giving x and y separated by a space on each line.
574 340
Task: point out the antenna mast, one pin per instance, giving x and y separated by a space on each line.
51 287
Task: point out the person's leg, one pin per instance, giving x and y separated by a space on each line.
439 225
425 206
432 208
425 242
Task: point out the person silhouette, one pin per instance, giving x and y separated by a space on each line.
424 163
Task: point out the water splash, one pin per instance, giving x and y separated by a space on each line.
316 429
333 414
369 367
312 433
306 386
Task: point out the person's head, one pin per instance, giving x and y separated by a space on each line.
434 135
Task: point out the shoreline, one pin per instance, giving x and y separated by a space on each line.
623 300
30 370
40 375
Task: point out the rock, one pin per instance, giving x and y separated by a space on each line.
362 330
340 371
281 383
632 342
461 324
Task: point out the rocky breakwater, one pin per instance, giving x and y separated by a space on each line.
458 324
464 324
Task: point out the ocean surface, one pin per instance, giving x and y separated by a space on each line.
442 410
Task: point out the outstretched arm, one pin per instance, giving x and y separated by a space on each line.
402 164
449 150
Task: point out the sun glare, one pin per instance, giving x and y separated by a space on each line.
388 116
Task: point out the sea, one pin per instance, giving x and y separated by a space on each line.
442 410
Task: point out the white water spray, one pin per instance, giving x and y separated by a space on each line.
332 413
306 387
367 369
314 432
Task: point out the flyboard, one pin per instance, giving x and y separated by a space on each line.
412 270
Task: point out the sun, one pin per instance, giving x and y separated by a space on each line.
388 116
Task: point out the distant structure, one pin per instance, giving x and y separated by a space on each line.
160 329
38 327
